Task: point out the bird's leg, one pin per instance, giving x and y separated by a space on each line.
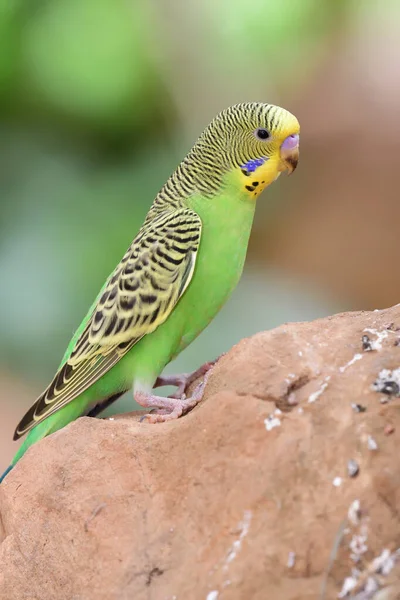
184 380
167 409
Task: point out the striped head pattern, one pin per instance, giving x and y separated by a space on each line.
253 140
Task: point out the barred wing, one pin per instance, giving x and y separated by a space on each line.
138 297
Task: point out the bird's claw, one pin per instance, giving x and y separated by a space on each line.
168 409
184 380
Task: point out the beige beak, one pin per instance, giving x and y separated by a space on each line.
290 153
290 158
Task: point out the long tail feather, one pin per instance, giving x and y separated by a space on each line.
6 472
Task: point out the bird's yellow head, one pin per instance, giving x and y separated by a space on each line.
258 141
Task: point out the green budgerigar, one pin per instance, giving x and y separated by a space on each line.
175 276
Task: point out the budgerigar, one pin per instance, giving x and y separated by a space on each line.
175 276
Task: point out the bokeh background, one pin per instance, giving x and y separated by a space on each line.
100 99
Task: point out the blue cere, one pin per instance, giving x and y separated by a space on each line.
253 164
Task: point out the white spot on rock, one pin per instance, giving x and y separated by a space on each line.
354 512
315 395
387 382
380 336
233 551
371 586
358 408
337 482
291 560
353 468
365 579
273 420
371 443
348 585
384 563
212 595
237 544
351 362
358 546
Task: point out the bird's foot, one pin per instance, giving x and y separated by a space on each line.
167 409
184 380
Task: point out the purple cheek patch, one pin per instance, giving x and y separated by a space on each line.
253 164
292 141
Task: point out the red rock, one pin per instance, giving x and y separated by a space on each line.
234 500
388 429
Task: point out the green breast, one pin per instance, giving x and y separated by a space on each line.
227 220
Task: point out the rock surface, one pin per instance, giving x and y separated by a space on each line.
236 500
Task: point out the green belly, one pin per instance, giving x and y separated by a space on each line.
227 222
226 229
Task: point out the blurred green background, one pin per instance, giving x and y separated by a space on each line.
100 99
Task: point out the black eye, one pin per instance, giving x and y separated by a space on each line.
262 134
